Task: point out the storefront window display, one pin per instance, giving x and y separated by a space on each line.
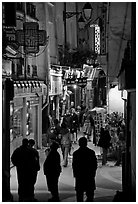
17 123
11 122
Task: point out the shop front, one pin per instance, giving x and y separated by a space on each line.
26 113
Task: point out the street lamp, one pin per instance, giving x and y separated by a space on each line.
86 12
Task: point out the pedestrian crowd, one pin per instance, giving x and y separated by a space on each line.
84 161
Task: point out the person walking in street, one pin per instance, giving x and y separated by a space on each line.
52 170
25 161
57 129
65 143
74 125
78 112
31 144
67 118
53 132
84 166
88 124
83 108
120 144
104 142
67 121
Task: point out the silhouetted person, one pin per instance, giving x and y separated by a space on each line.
36 168
6 194
78 112
24 160
52 170
104 142
81 115
74 125
84 166
57 131
88 124
65 143
120 146
67 118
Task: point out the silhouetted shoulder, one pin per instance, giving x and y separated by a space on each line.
85 150
91 151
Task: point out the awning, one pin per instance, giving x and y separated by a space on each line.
98 110
96 73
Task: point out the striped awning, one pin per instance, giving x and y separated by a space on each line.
95 73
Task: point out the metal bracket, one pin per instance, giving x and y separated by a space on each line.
67 15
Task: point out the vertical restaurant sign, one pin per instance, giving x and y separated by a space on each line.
55 82
97 39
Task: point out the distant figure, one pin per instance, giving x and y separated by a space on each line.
57 131
74 125
72 105
45 127
67 117
104 142
78 112
36 168
65 143
84 166
53 132
52 170
81 115
120 145
88 125
25 161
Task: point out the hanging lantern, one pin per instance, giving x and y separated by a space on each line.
87 11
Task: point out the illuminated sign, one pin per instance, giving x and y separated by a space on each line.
97 39
82 82
70 81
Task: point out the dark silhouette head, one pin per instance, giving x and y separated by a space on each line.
25 142
54 146
107 127
56 121
31 142
83 142
102 129
64 125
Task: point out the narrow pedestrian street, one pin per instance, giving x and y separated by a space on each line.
108 180
68 66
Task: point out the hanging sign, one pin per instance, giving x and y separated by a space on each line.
82 82
31 37
70 81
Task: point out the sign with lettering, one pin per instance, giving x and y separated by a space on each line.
70 81
82 82
10 34
9 38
